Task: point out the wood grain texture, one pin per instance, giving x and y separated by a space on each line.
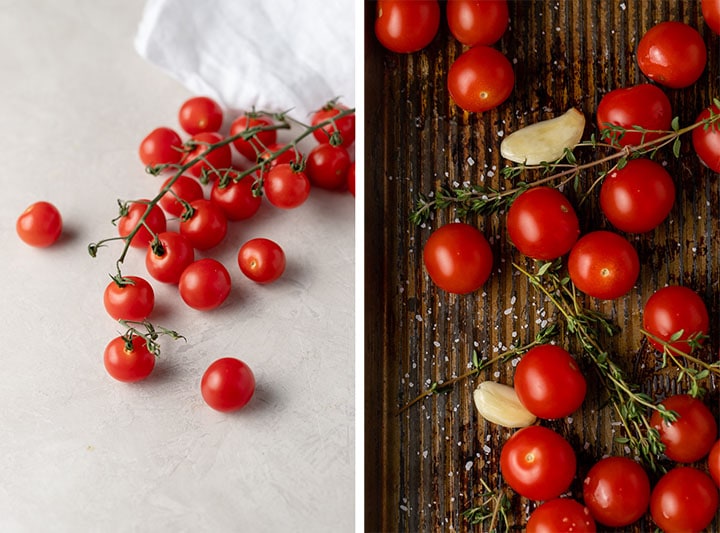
423 468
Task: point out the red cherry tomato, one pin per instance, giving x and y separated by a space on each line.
706 138
250 148
549 383
39 225
560 514
685 499
128 362
155 220
327 166
604 265
185 188
672 54
637 197
351 178
617 491
711 14
286 187
204 284
214 161
237 199
406 26
162 146
480 79
458 258
227 385
261 260
474 22
691 436
542 223
344 125
672 309
538 463
200 114
713 462
132 301
645 106
206 227
167 262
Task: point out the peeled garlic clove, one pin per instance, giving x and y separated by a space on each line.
544 141
499 404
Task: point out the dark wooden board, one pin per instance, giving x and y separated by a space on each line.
423 467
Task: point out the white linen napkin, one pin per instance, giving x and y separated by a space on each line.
273 55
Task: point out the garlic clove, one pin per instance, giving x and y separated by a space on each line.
499 404
544 141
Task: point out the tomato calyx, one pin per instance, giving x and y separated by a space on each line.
150 335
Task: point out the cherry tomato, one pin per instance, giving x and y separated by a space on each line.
480 79
685 499
128 362
155 220
706 139
538 463
214 161
645 106
351 178
185 188
167 263
261 260
406 26
237 199
327 166
206 227
286 187
250 148
291 155
672 54
162 146
344 125
227 384
604 265
458 258
637 197
711 14
713 462
39 225
560 514
542 223
692 435
132 301
672 309
474 22
200 114
617 491
204 284
549 383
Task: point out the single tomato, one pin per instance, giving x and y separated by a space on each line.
131 299
351 178
604 265
458 258
162 146
672 54
684 499
200 114
344 126
285 187
252 144
713 462
184 188
167 259
206 227
675 311
131 222
227 384
706 138
128 361
480 79
40 225
261 260
617 491
239 200
560 515
711 14
212 158
327 166
406 26
542 224
204 284
474 22
692 435
538 463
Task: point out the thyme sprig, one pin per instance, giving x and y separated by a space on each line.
494 506
485 200
589 328
477 365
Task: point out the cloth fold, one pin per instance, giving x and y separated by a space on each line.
271 55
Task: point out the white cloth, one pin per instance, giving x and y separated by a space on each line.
273 55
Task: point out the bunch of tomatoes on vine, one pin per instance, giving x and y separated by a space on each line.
674 439
209 180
